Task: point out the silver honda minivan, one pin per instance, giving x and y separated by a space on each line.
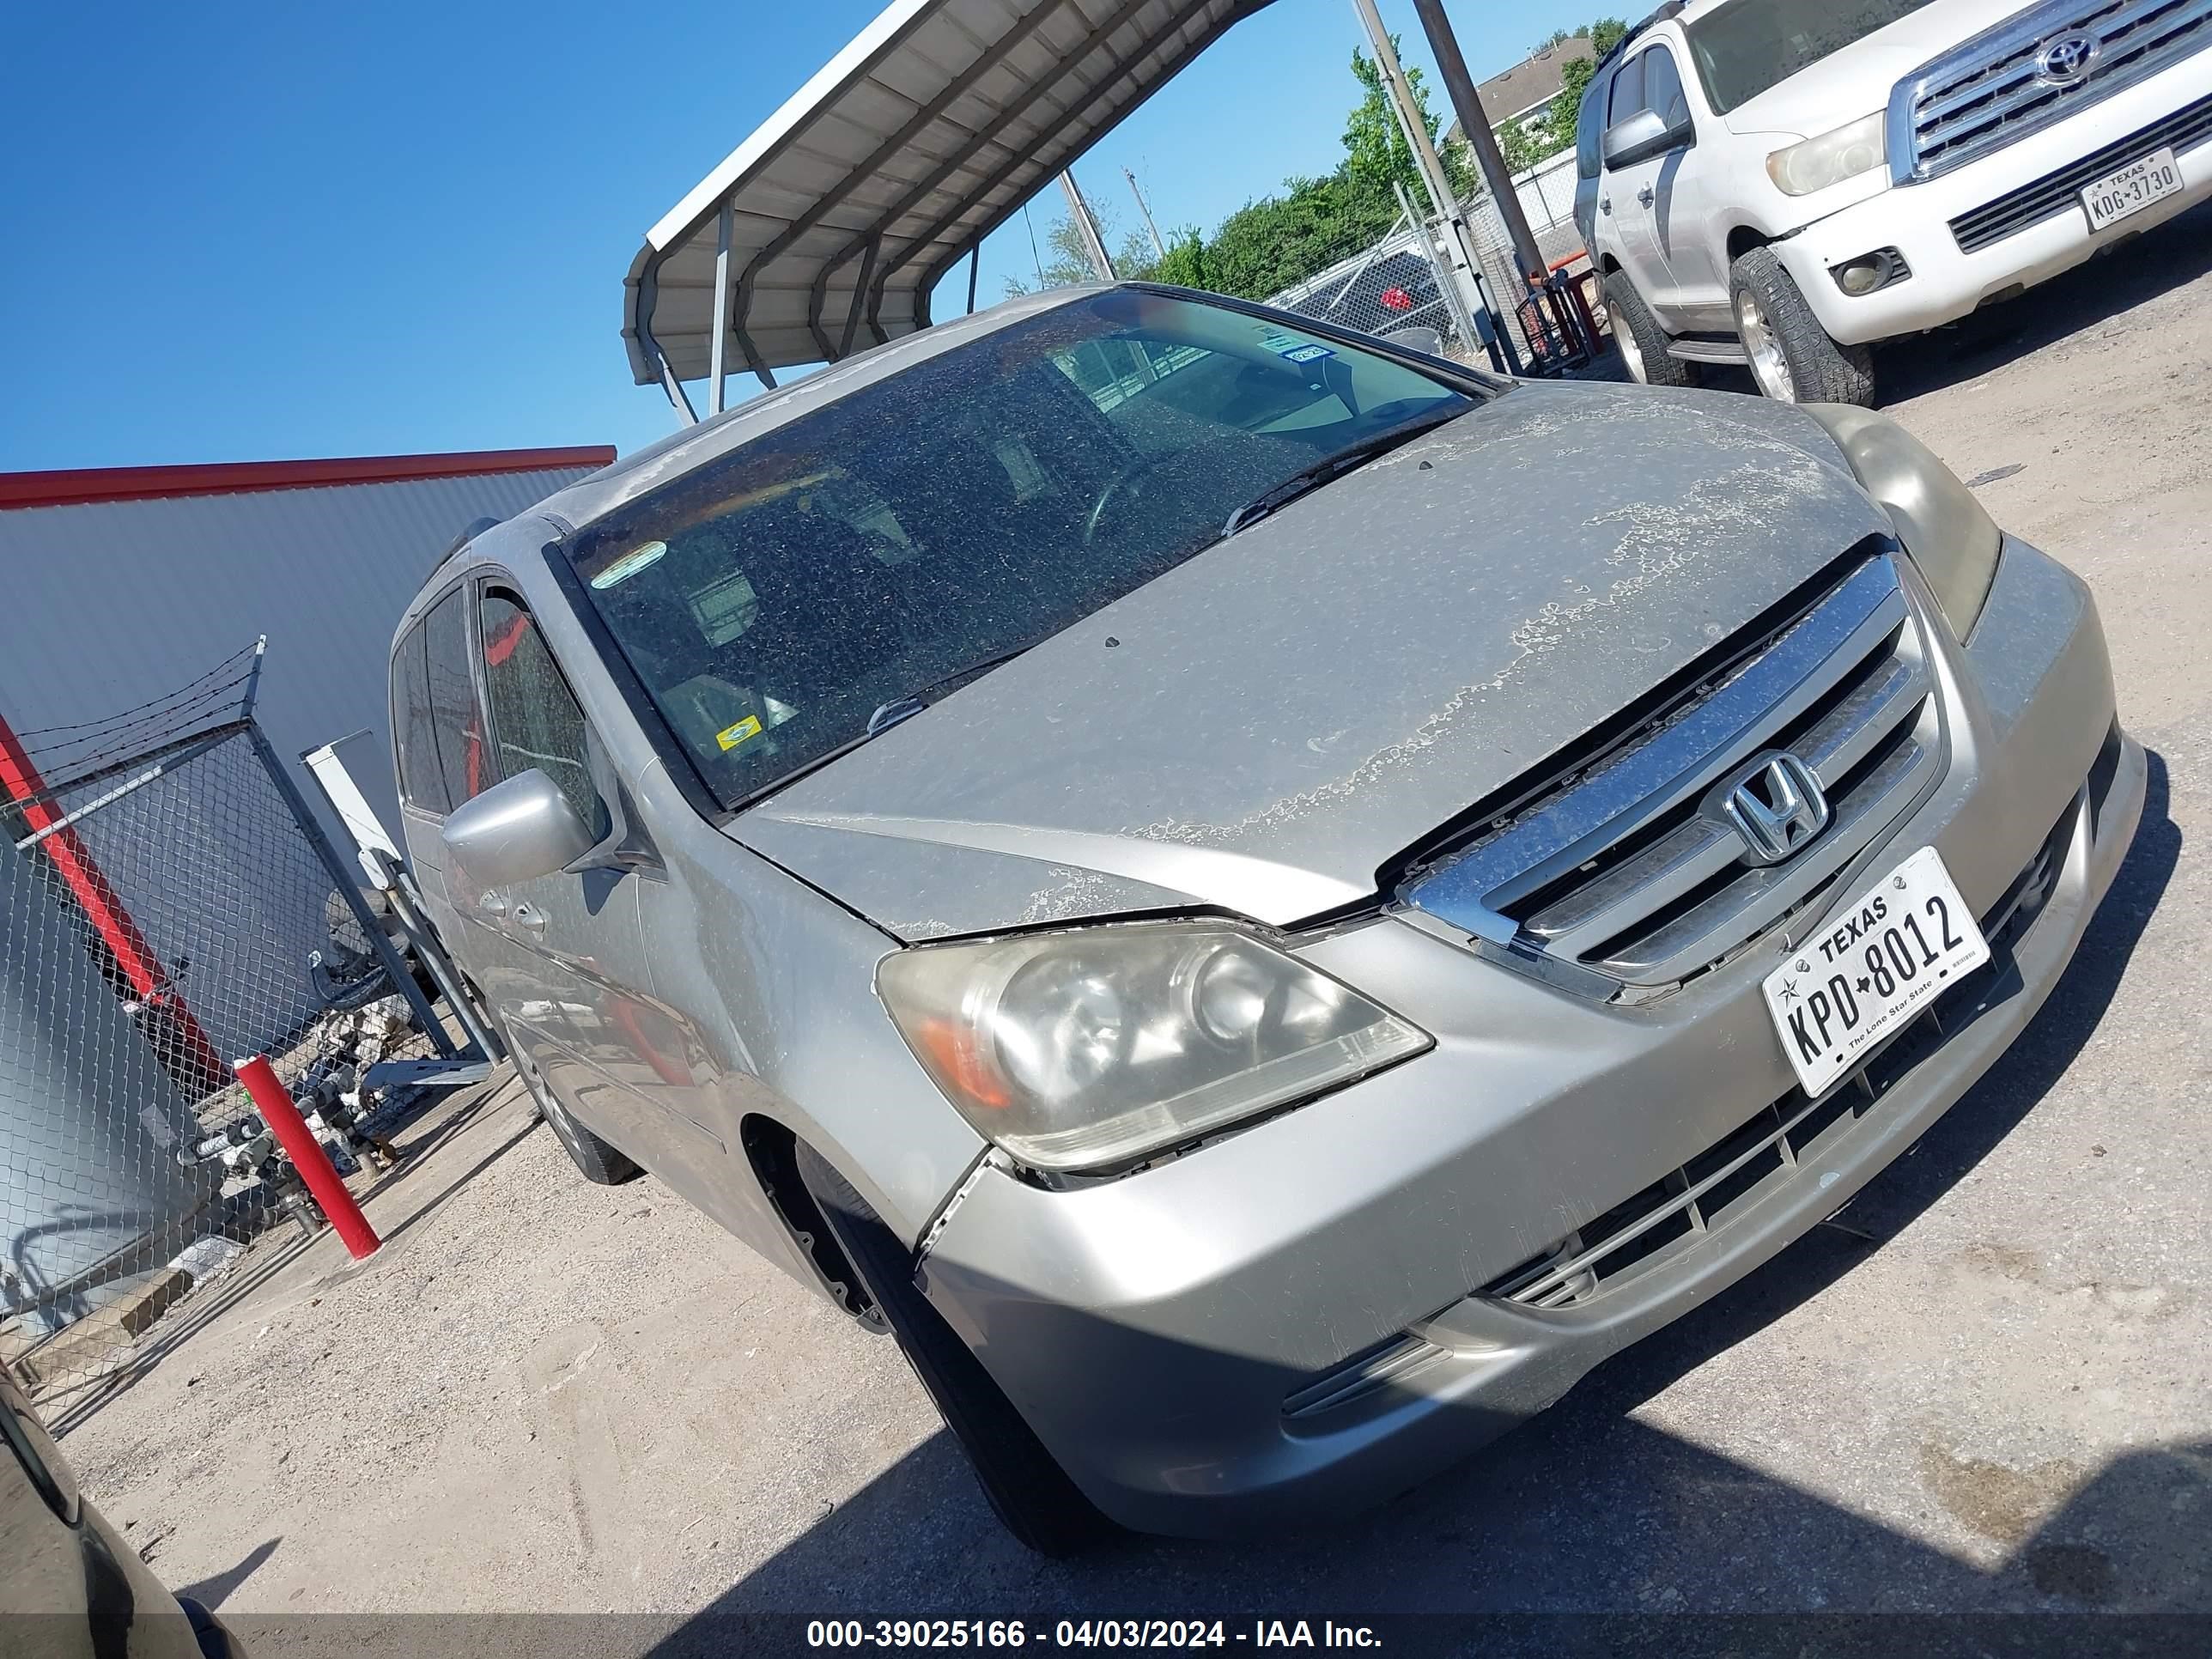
1259 901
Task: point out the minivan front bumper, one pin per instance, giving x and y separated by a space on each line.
1318 1312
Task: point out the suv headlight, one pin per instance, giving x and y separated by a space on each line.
1832 157
1091 1048
1950 535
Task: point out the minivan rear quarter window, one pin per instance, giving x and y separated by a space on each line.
781 599
453 692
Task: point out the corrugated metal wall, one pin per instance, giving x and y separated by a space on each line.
106 604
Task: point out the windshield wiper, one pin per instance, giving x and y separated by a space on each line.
1307 479
889 714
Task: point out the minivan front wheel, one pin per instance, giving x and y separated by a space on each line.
1027 1489
600 1162
1790 355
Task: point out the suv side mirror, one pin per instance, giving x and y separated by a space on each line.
515 831
1643 136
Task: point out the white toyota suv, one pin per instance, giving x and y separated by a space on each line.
1786 182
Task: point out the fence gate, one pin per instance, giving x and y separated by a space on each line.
167 905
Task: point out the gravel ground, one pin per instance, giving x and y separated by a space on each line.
545 1395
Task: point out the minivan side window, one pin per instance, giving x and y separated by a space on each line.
453 691
421 782
535 719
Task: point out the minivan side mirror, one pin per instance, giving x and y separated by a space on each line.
1642 135
517 830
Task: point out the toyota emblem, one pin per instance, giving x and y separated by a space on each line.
2065 60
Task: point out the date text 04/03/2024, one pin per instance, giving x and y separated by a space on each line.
1087 1633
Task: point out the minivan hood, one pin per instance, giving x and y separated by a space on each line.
1264 727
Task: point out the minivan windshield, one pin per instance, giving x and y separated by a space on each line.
1747 46
783 600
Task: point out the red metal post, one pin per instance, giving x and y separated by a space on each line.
307 1155
26 789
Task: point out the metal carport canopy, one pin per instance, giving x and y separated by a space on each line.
913 143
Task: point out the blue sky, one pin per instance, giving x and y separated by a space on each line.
248 232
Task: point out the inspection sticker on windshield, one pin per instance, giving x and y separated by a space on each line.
743 732
1877 961
1292 348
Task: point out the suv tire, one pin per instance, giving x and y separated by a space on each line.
1791 357
1028 1491
597 1161
1642 342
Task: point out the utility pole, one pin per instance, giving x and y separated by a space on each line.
1159 248
1409 116
1093 244
1452 65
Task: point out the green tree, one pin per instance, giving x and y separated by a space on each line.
1375 152
1604 35
1185 264
1067 257
1523 144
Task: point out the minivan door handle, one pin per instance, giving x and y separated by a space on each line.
1605 204
1643 195
530 916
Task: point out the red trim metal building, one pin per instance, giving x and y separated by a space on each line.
118 585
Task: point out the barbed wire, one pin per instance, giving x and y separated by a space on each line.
158 723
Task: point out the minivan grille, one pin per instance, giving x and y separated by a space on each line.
2060 190
1628 876
1992 90
1643 1231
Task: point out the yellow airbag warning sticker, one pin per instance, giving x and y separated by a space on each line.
743 732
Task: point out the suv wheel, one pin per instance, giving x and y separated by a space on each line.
1642 342
596 1160
1029 1493
1791 357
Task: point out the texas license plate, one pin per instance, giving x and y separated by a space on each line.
2133 188
1877 963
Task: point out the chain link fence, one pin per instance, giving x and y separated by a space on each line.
1397 282
165 907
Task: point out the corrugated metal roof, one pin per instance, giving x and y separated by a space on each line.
910 147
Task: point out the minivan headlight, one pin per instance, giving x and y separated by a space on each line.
1951 539
1092 1047
1832 157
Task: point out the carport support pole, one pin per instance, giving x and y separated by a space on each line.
718 381
1452 65
275 1104
1101 261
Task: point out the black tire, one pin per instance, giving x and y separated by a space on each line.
1813 368
597 1161
1642 342
1028 1491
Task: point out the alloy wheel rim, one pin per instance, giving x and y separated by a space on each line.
1768 365
1632 354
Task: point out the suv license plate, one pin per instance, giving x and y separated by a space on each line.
1883 959
2132 189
